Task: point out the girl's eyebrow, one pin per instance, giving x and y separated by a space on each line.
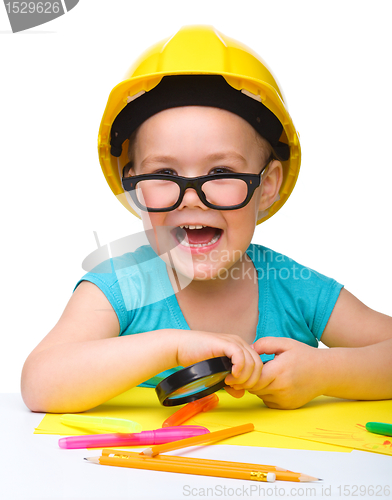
229 155
158 159
219 156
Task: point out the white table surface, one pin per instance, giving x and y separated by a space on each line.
32 466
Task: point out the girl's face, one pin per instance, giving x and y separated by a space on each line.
193 141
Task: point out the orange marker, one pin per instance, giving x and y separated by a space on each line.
191 409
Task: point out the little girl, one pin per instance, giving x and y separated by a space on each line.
197 141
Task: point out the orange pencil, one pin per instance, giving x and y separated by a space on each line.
182 468
191 409
206 438
190 465
191 460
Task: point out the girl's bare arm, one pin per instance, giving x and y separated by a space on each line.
358 365
83 362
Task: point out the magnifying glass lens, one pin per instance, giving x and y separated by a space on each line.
198 385
194 382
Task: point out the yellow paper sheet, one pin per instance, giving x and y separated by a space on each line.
323 420
327 424
141 405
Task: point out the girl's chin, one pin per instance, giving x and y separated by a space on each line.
191 269
201 272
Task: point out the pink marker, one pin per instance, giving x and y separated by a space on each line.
159 436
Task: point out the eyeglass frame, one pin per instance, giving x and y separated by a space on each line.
253 181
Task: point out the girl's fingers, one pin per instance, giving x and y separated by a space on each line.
234 392
250 374
273 345
235 350
268 401
251 363
246 362
255 375
263 384
238 359
251 380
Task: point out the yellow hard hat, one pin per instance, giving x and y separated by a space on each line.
247 89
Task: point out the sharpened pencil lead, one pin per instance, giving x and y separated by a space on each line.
93 460
306 478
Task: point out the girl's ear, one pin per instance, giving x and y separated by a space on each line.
128 169
270 185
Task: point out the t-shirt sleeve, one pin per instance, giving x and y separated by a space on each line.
109 285
295 301
309 296
321 293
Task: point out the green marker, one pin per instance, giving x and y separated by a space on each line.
379 428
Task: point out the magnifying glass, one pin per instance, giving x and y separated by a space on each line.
194 382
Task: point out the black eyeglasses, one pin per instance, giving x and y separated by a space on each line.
164 192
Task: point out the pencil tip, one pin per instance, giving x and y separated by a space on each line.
94 460
305 478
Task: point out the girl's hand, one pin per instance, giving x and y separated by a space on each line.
194 346
294 377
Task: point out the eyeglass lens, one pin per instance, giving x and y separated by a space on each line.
154 193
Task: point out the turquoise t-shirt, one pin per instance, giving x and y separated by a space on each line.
294 301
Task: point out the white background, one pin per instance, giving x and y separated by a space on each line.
333 61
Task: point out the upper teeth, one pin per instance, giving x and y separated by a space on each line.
192 227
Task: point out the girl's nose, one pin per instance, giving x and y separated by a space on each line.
191 200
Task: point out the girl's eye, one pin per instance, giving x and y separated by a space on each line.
166 171
220 170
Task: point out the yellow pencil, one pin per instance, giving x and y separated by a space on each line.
190 460
281 474
182 468
204 438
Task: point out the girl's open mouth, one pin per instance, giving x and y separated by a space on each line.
197 236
